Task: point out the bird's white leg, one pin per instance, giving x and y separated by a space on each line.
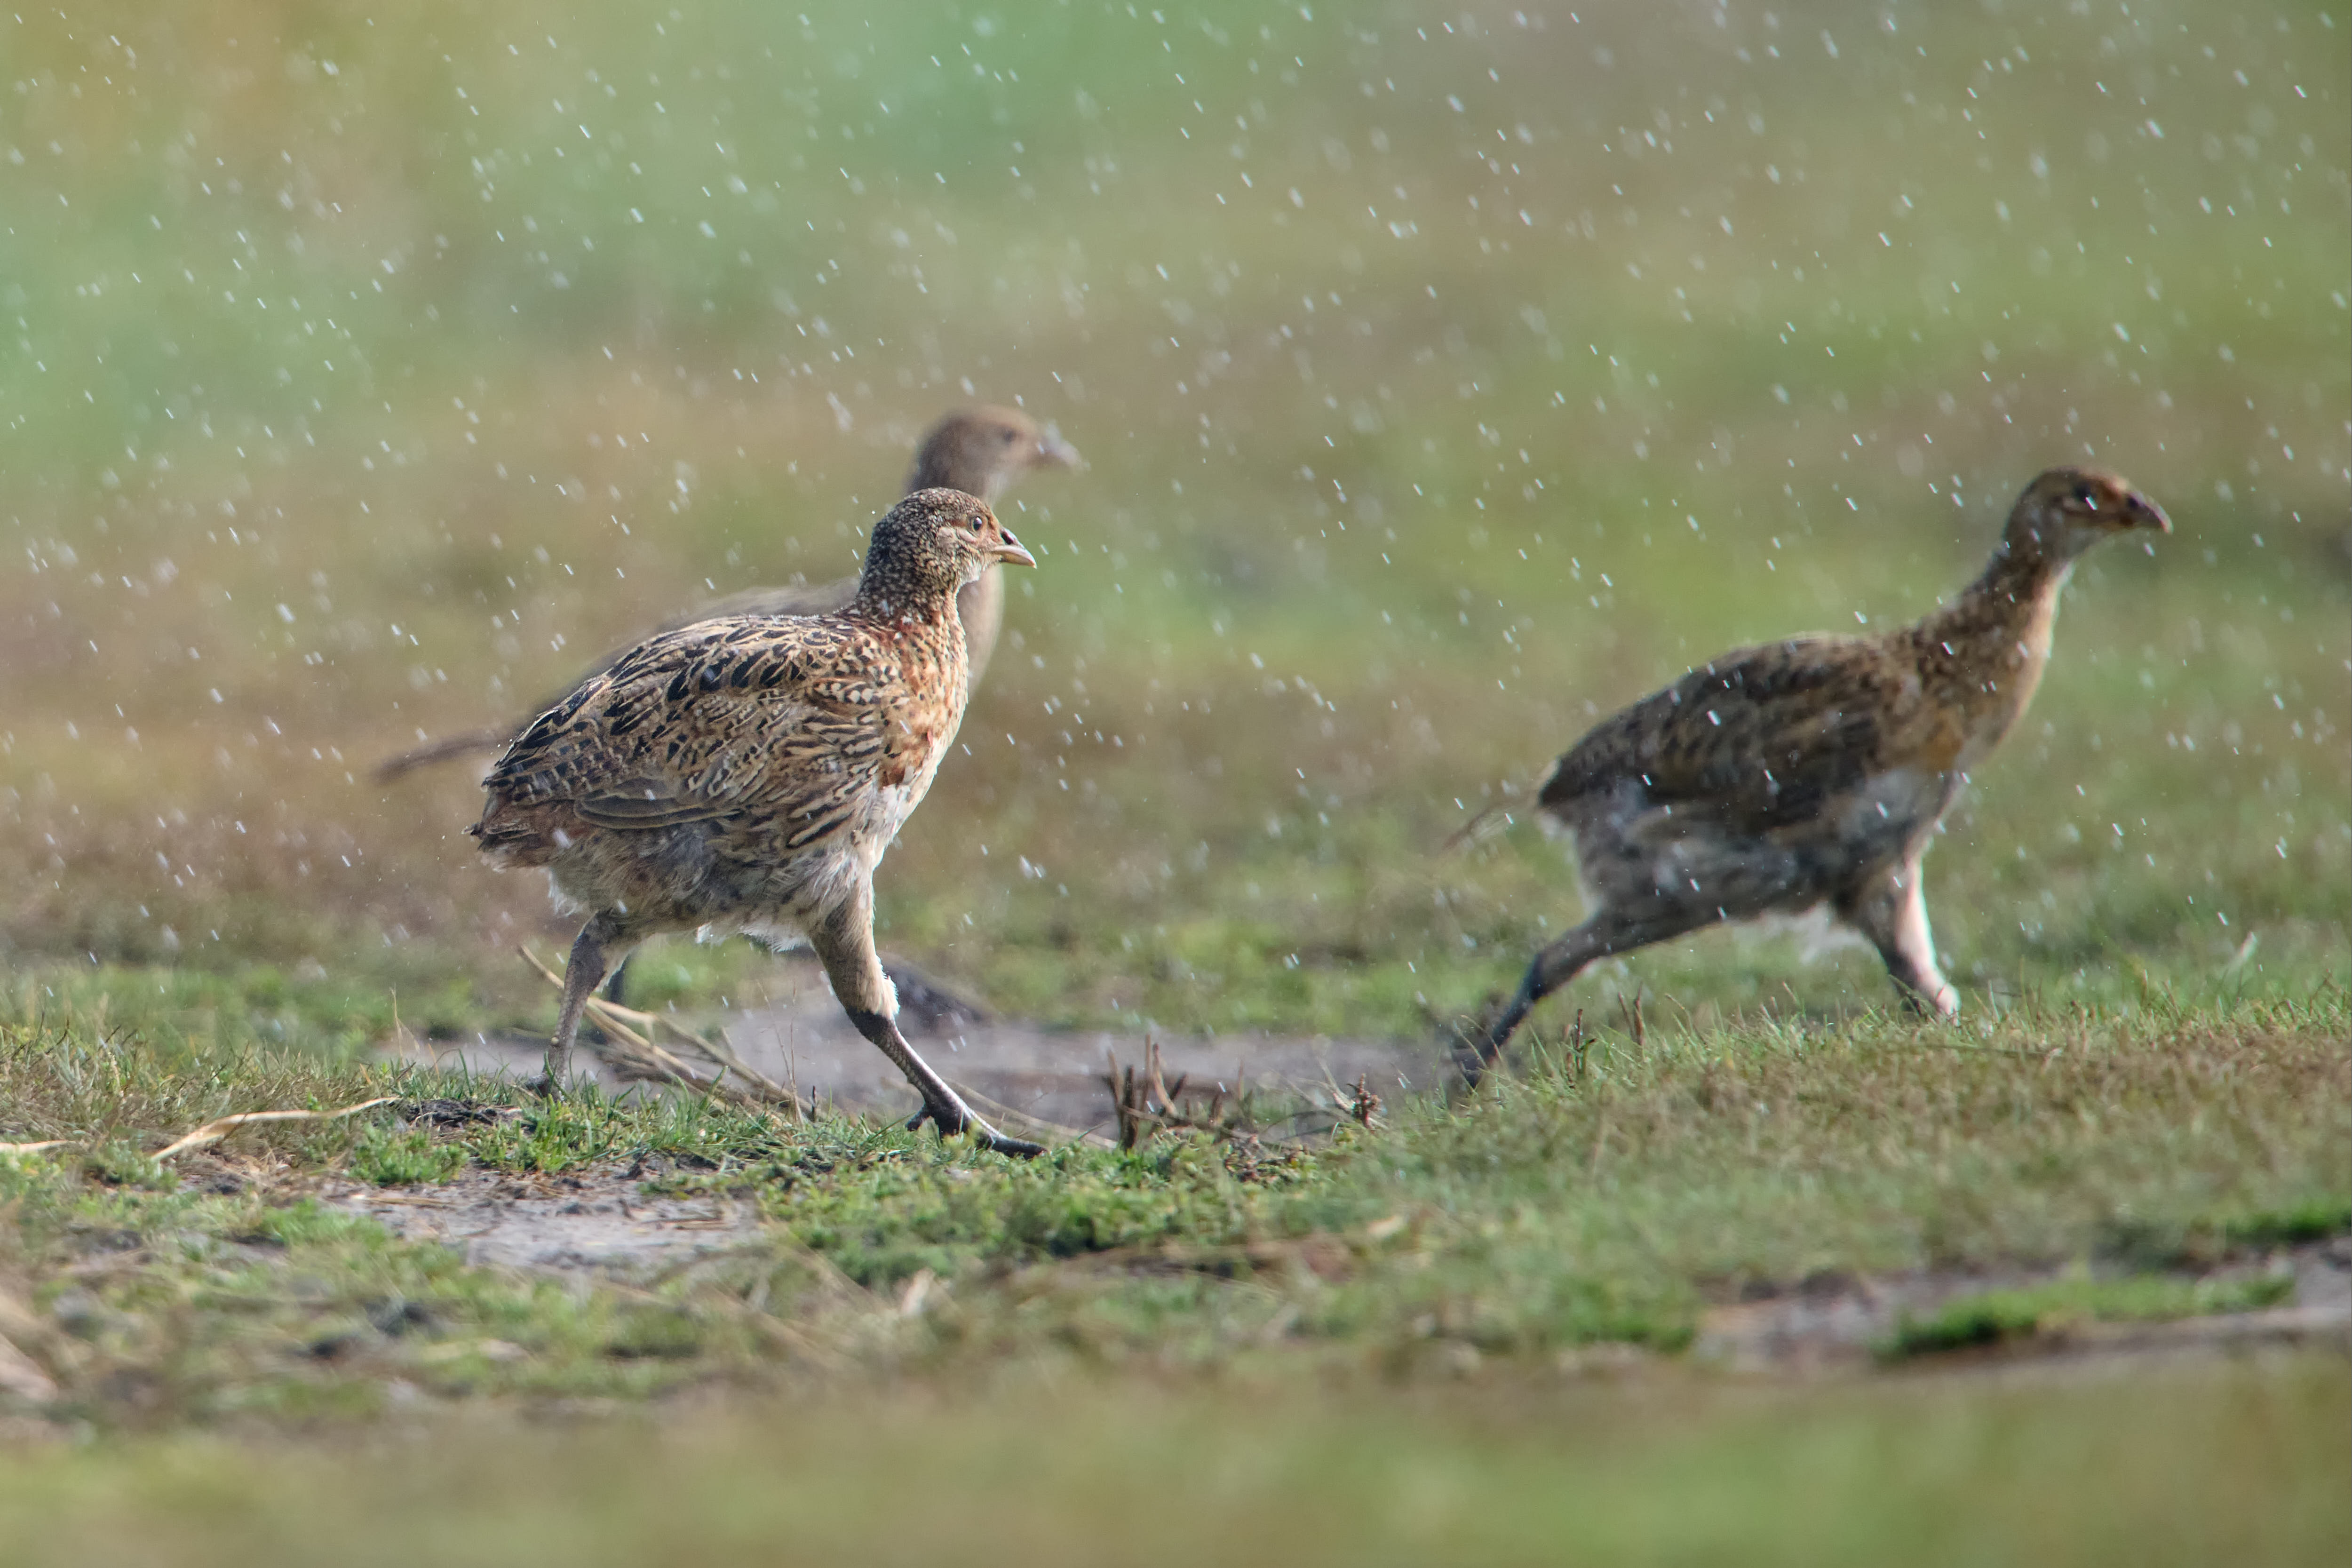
844 941
586 967
1893 914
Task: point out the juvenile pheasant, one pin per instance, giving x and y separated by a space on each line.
978 450
746 774
1813 771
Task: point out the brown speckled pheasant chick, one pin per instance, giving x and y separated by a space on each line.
746 774
978 450
1812 771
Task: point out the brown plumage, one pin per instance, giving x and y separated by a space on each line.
1812 771
978 450
746 774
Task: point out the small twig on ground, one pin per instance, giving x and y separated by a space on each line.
1359 1104
213 1131
1145 1104
1130 1100
35 1147
401 1041
793 1086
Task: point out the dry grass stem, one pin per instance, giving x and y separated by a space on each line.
630 1050
1631 1012
1132 1101
1144 1103
213 1131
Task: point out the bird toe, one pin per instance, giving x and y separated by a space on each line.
1018 1148
1469 1039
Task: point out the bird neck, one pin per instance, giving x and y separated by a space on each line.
1994 640
981 607
890 596
2026 559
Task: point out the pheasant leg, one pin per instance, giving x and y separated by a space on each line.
942 1107
1893 914
845 945
1475 1045
585 968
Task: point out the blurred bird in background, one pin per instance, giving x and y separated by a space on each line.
978 450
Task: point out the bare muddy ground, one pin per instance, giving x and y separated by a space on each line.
1049 1076
594 1222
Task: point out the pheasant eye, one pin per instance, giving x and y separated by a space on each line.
2085 496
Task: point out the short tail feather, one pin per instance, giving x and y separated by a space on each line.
1496 818
469 743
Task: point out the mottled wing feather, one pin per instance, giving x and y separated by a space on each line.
720 719
1760 737
797 599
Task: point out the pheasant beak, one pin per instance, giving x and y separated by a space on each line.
1052 452
2142 512
1009 550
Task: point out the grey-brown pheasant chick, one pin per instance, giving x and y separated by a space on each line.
978 450
1812 771
746 774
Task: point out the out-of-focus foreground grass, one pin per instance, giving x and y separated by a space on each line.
2234 1463
1445 380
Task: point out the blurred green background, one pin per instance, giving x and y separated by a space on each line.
1448 377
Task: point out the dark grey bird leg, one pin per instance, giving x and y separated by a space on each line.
580 976
1892 912
844 944
1475 1045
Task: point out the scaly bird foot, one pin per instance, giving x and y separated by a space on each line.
1944 1004
1470 1043
953 1118
546 1083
